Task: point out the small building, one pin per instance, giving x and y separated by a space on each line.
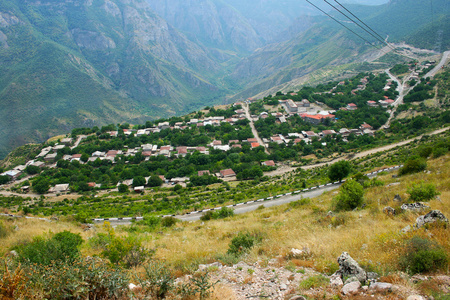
255 145
67 141
372 103
291 106
365 126
352 106
203 172
50 157
13 174
59 188
268 163
227 173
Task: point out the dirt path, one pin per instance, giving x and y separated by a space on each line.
252 126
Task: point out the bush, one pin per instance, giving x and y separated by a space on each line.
243 242
123 188
62 246
299 203
422 255
339 170
126 251
81 279
168 221
222 213
350 196
157 281
422 191
413 165
440 151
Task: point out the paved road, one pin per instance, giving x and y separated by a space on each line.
313 192
439 66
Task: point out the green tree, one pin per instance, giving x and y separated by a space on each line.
413 165
155 181
4 179
350 196
138 181
41 185
339 170
123 188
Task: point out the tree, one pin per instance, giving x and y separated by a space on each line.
4 179
123 188
413 165
138 181
155 181
339 170
41 185
32 170
351 196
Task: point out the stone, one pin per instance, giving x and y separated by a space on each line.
390 211
297 298
381 286
406 229
336 281
348 267
283 287
397 198
132 286
297 253
414 206
415 297
351 288
372 276
430 217
13 253
351 279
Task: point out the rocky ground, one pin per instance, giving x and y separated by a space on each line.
269 280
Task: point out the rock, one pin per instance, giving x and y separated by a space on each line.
389 211
351 279
296 253
283 287
372 276
397 198
381 286
415 297
430 217
297 298
414 206
406 229
132 286
336 281
351 288
349 267
13 253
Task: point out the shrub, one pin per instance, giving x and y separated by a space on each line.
222 213
81 279
422 191
422 255
339 170
157 280
62 246
413 165
301 202
14 283
123 188
168 221
350 196
440 151
151 221
127 251
243 242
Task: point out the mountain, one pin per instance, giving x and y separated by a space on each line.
328 44
68 64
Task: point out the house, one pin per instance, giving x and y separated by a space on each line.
291 106
227 173
352 106
66 141
327 132
365 126
139 189
372 103
98 154
204 172
344 132
164 125
13 174
233 142
252 140
58 147
305 103
39 164
255 145
276 139
309 134
59 188
50 157
316 119
236 146
181 151
268 163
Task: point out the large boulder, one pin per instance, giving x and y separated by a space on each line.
431 217
348 267
414 206
351 288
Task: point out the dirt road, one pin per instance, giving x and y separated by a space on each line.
252 126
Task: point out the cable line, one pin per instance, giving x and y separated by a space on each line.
364 24
344 26
377 38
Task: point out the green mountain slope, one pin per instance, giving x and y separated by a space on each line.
68 64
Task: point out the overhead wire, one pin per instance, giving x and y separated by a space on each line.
370 43
377 38
370 28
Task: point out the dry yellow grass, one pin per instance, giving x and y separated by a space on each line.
370 236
